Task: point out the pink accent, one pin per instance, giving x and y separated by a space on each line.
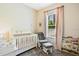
59 27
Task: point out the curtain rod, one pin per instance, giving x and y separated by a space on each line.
53 9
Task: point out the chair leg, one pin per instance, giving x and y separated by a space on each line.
48 52
41 46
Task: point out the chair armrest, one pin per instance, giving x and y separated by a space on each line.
43 41
49 38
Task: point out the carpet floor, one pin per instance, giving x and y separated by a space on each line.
39 52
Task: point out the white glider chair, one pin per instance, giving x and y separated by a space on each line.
44 42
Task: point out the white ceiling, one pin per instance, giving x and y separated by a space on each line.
37 6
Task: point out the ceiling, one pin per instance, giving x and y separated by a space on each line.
37 6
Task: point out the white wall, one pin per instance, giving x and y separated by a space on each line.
16 17
71 20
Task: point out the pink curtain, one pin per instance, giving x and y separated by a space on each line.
59 26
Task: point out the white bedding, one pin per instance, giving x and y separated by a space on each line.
6 48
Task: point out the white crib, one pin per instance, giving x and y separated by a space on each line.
21 42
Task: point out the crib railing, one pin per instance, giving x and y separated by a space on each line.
25 40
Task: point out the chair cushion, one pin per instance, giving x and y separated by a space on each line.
47 45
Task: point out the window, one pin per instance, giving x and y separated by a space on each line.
51 21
